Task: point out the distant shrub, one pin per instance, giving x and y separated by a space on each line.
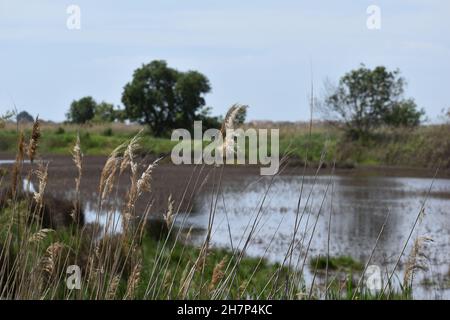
108 132
60 130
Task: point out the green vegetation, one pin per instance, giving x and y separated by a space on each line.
24 116
341 263
425 146
97 140
164 98
40 237
174 258
87 110
366 99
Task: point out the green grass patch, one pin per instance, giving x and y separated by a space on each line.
339 263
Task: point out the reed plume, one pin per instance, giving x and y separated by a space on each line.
231 116
19 158
35 135
143 184
168 217
107 177
128 156
112 290
227 126
218 273
50 258
40 235
417 260
42 175
77 157
133 281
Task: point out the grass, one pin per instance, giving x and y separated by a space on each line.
177 256
94 140
426 146
131 264
341 263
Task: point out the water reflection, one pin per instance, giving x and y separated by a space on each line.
359 206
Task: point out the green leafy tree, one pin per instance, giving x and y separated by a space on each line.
404 114
209 121
365 99
24 116
104 112
189 91
82 110
164 98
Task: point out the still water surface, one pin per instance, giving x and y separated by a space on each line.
359 206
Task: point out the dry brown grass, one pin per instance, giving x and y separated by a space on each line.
96 128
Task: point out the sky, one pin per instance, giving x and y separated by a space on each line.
261 53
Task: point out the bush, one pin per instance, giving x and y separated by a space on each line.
60 130
108 132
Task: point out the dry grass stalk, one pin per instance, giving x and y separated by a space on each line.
107 177
138 186
35 135
143 184
128 156
228 124
230 117
112 290
185 280
417 260
50 258
169 216
42 175
40 235
218 273
77 157
133 281
19 158
167 280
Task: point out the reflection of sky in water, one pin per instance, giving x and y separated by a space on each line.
109 220
359 206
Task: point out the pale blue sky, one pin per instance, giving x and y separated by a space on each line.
254 52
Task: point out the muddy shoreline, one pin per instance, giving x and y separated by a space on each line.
182 182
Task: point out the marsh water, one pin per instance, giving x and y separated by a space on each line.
358 206
342 213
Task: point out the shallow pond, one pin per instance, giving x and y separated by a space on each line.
359 203
359 206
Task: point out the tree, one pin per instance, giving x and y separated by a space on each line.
189 91
164 98
365 99
104 112
82 110
404 114
24 116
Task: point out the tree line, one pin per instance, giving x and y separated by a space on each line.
164 98
158 96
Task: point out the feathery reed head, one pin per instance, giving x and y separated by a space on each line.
231 116
218 273
35 135
417 260
168 217
42 175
